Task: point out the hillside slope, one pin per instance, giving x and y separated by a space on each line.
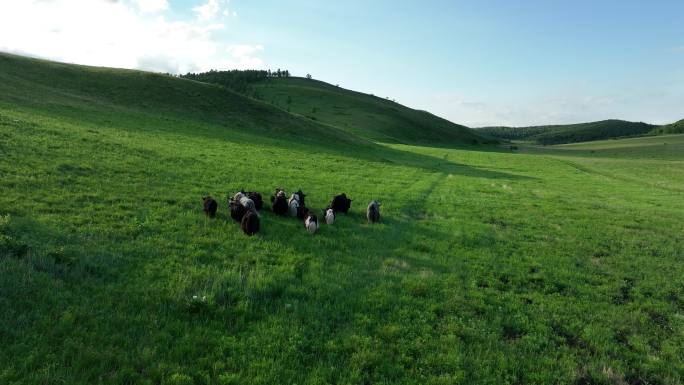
103 95
674 128
361 114
569 133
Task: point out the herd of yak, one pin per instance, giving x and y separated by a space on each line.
244 208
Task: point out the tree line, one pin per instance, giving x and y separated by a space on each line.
571 133
237 80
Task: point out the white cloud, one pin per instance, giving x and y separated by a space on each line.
677 49
151 6
244 50
210 9
126 34
244 55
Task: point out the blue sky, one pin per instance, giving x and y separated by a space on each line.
473 62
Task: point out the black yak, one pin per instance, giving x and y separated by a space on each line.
341 203
210 206
237 210
257 199
301 212
250 222
279 202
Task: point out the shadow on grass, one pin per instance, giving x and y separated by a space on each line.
310 137
663 151
435 164
346 146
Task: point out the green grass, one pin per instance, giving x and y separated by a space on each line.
569 133
554 265
361 114
653 160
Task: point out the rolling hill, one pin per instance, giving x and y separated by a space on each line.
570 133
360 114
365 115
674 128
101 95
548 265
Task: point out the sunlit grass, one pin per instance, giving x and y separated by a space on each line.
488 266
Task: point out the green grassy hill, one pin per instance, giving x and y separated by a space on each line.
99 95
570 133
361 114
674 128
549 265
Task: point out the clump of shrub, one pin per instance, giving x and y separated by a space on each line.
9 245
61 257
180 379
198 304
228 379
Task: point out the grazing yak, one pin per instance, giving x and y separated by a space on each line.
296 204
310 222
244 200
373 212
257 199
237 210
329 215
341 203
293 205
210 206
279 202
301 212
250 222
248 203
301 196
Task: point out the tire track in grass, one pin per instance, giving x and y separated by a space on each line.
416 206
588 170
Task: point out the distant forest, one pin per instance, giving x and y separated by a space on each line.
570 133
237 80
674 128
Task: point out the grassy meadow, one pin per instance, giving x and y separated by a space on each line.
547 265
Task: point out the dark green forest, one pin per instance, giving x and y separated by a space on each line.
674 128
237 80
570 133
